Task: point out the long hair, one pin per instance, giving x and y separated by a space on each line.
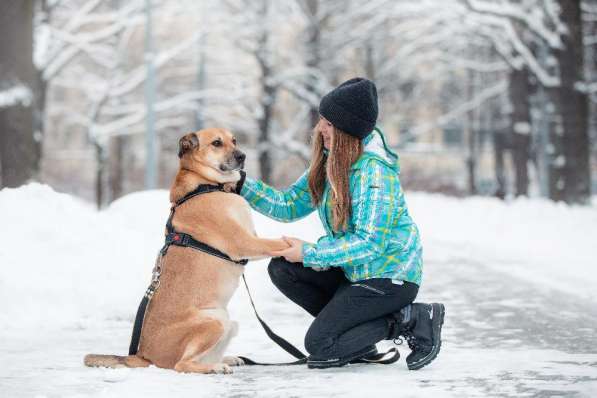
345 150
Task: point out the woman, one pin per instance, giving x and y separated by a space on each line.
359 280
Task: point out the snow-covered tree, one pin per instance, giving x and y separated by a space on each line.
99 44
545 38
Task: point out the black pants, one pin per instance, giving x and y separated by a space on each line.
349 316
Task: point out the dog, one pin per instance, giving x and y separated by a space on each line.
186 326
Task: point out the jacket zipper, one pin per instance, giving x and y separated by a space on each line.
370 288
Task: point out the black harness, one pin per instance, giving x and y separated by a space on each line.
185 240
178 239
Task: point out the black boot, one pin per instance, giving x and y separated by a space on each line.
421 326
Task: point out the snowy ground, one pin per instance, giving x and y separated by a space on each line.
517 280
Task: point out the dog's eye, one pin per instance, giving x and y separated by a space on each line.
217 143
234 141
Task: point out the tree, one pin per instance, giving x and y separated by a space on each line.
570 177
557 27
19 157
519 93
93 43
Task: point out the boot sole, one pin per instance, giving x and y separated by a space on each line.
336 363
437 323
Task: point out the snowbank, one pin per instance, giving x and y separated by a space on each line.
65 263
546 243
71 279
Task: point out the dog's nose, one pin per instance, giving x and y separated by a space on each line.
239 156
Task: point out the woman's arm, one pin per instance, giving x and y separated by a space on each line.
288 205
374 212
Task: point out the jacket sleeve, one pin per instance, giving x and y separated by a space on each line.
287 205
374 211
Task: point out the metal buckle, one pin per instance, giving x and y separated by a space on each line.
155 283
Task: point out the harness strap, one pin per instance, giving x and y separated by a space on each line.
186 240
201 189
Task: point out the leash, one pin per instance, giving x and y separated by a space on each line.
280 341
185 240
381 358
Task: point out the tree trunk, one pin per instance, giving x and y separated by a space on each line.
313 56
590 29
369 61
499 149
19 151
100 169
471 156
570 170
268 100
269 95
116 174
520 125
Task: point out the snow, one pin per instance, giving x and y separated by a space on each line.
523 128
559 162
17 94
71 279
548 243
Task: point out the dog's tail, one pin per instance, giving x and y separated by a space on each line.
115 361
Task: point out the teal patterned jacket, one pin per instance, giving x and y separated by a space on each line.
381 240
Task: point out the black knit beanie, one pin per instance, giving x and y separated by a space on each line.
352 107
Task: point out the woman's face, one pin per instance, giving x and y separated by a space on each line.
327 130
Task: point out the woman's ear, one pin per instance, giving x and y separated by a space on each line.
187 143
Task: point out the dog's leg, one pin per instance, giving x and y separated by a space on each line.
198 345
217 352
231 360
252 247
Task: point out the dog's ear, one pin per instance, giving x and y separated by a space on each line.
187 143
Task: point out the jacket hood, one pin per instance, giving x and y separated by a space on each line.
375 144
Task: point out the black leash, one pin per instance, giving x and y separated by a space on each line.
185 240
280 341
134 345
381 358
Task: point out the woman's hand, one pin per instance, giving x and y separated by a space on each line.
294 253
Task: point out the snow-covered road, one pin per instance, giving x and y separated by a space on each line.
504 335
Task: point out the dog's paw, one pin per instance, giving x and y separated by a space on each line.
221 368
233 361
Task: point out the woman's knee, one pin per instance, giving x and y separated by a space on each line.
281 271
318 341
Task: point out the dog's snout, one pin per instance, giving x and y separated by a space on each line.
239 156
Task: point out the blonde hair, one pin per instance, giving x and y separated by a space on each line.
345 150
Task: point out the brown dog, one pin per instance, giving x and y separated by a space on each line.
186 325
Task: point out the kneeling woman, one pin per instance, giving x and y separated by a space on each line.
359 280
